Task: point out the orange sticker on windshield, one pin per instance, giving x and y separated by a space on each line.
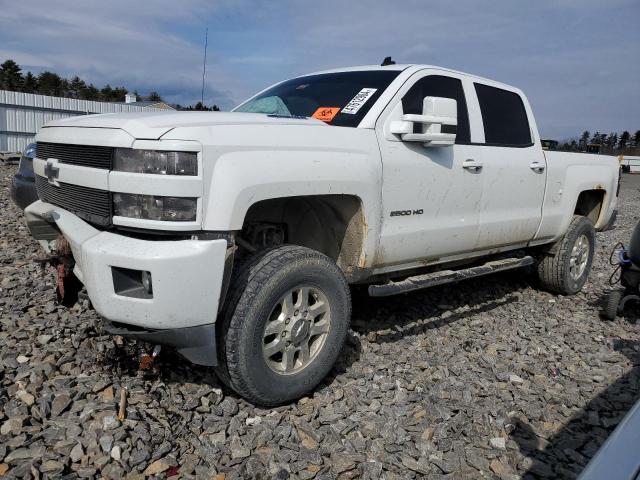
326 114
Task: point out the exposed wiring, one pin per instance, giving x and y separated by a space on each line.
620 251
613 280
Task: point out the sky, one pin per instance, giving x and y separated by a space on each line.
577 60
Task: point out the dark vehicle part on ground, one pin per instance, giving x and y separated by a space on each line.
627 273
23 186
618 457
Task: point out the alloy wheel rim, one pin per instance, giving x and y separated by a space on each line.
296 330
579 257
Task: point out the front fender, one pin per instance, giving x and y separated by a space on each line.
241 179
320 161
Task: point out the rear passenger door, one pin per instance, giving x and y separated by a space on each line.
514 169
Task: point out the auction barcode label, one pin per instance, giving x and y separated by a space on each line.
359 100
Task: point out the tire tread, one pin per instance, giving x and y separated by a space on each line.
552 268
245 284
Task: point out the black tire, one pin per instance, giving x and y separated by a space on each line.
610 311
554 268
256 288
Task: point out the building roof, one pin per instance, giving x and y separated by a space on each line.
70 105
150 104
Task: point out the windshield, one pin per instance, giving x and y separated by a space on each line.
341 99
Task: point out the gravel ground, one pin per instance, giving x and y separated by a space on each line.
490 378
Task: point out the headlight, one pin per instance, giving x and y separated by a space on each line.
151 207
155 161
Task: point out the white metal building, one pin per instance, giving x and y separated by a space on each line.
22 114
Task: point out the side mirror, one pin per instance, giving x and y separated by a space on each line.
437 124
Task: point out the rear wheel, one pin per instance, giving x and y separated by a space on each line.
284 325
610 311
564 268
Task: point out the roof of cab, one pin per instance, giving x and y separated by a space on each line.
412 66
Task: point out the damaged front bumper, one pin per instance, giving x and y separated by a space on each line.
187 280
196 344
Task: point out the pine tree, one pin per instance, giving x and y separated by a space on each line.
90 92
624 140
65 88
584 139
636 139
30 84
604 139
118 94
106 92
10 76
50 83
76 87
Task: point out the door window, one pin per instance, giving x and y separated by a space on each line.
439 86
504 117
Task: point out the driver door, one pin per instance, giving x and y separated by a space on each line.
430 195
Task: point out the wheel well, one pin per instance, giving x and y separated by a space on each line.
589 204
332 224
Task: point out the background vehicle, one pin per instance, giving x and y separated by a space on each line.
618 457
630 164
628 264
234 236
23 186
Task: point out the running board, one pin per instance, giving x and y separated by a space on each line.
447 276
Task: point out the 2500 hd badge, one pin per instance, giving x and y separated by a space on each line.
405 213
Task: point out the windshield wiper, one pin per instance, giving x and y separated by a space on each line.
277 115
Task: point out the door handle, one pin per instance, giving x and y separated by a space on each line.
537 167
471 165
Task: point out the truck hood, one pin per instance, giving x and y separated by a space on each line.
153 125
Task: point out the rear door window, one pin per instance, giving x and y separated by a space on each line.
439 86
504 117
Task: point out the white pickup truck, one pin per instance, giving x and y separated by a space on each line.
234 236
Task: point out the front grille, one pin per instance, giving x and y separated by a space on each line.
90 204
84 155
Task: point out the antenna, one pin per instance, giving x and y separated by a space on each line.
204 63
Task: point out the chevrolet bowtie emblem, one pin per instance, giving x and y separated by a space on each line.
52 172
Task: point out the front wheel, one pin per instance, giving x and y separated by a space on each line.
564 268
285 324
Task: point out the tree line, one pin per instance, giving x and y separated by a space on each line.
609 143
50 83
